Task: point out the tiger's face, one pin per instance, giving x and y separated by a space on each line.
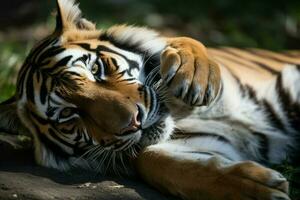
103 88
92 95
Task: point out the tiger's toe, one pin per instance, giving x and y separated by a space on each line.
278 181
188 72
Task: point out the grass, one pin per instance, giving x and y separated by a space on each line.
11 57
293 175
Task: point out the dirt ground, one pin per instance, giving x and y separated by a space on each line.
20 179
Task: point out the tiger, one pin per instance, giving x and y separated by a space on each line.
192 121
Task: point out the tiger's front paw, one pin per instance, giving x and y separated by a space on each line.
253 181
188 72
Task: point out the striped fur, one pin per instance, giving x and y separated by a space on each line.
80 87
259 101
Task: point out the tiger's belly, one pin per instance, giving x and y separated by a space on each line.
235 139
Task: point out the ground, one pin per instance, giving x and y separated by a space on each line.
21 178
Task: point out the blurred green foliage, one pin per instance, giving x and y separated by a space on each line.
12 55
269 24
292 173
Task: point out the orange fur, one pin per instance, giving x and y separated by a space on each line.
194 180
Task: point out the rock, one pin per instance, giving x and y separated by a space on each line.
21 179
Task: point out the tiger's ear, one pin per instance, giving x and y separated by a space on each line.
9 120
69 17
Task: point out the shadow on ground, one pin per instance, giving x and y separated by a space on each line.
20 178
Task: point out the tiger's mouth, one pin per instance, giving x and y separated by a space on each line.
159 125
156 124
153 129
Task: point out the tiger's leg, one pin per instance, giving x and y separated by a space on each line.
264 105
183 68
178 168
192 79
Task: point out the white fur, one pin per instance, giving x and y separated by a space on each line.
148 40
70 11
291 80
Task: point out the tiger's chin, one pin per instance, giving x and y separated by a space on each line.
158 132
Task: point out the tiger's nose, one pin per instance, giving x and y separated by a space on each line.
134 125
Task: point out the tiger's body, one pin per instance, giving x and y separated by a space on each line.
194 121
258 109
255 117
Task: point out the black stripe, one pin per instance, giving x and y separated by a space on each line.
62 62
273 118
292 112
290 108
69 73
128 79
266 106
54 134
260 64
20 82
83 59
40 47
132 64
30 87
251 93
43 90
53 100
292 54
59 153
263 145
179 135
39 119
266 67
272 57
106 67
240 85
200 152
78 136
50 52
122 45
236 61
146 101
114 61
51 111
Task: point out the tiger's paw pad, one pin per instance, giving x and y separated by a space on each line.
188 73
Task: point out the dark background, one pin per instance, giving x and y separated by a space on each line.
253 23
268 24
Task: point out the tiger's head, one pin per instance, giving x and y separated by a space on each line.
89 97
